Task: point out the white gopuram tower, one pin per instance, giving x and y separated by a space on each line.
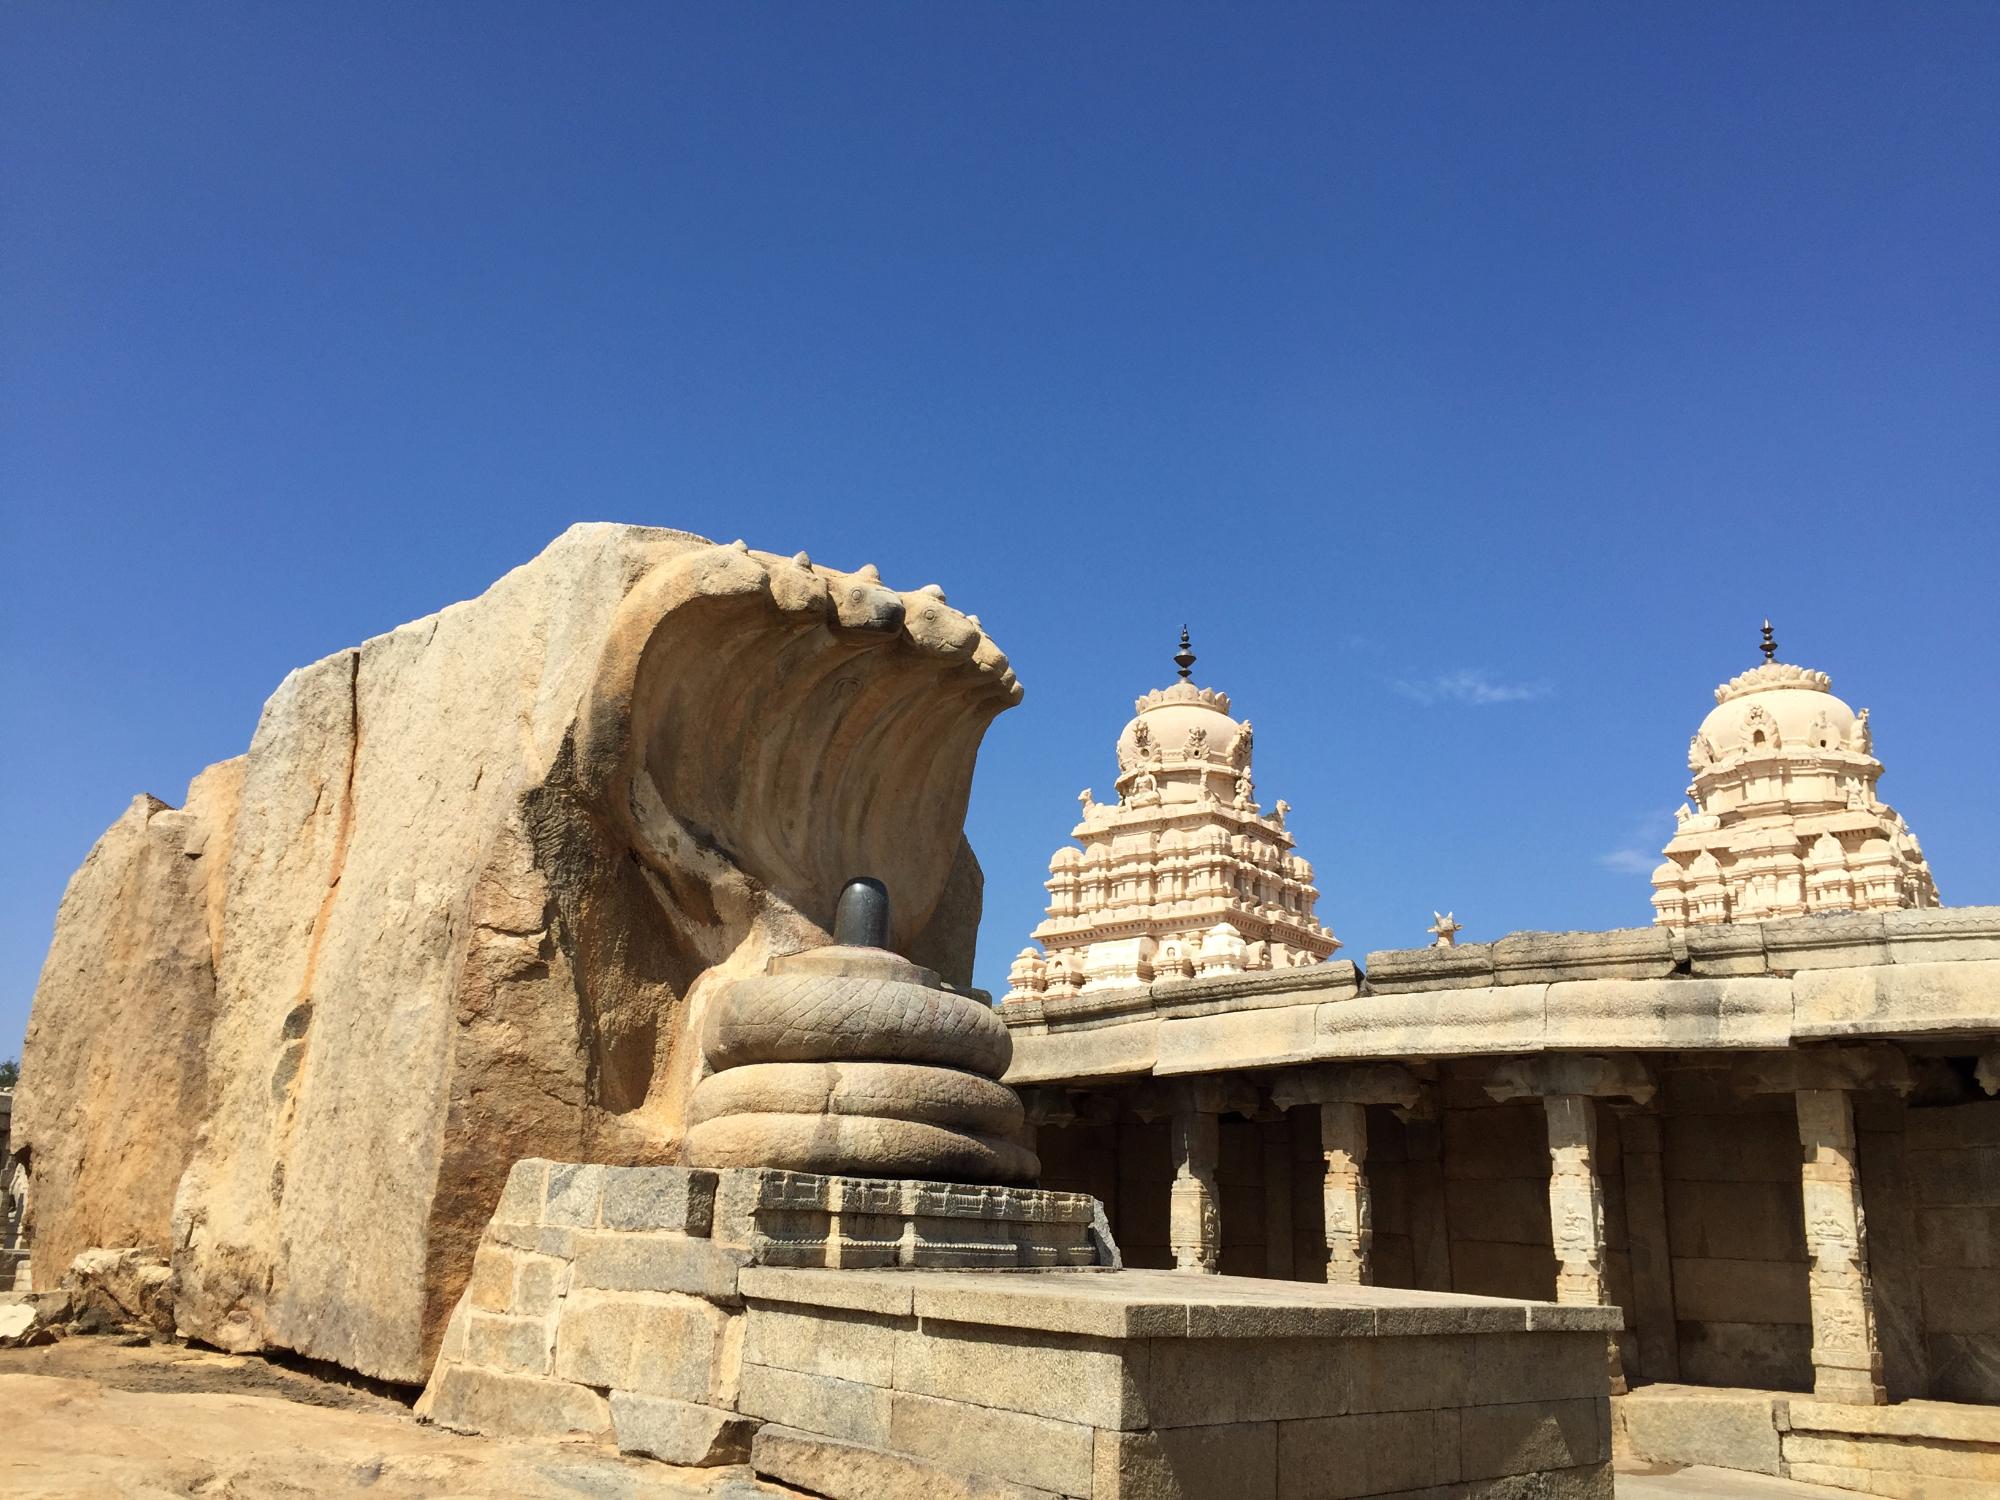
1785 820
1185 874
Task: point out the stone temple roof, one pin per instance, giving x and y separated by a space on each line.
1185 872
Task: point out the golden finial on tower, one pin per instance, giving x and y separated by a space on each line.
1184 658
1770 644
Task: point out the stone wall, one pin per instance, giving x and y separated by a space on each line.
1496 1170
1954 1176
1736 1234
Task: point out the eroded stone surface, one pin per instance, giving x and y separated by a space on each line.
481 873
116 1062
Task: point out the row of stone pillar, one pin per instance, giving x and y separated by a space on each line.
1846 1357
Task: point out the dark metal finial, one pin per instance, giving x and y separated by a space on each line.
1770 646
861 916
1184 658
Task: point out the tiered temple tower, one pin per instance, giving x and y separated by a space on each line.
1785 819
1185 873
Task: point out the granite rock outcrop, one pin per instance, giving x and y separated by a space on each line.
464 901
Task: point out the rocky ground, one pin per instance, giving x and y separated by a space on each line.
95 1418
91 1417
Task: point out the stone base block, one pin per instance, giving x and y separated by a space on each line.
1692 1424
679 1432
468 1399
1914 1450
828 1466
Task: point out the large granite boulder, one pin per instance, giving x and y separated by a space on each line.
118 1039
462 903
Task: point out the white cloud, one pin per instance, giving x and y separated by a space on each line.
1640 854
1631 861
1470 686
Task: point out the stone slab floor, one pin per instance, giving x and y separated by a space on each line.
92 1419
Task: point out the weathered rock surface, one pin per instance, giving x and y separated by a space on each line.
87 1418
480 874
117 1042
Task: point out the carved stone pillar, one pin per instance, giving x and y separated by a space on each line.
1568 1087
1847 1359
1194 1213
1846 1352
1343 1095
1343 1143
1576 1199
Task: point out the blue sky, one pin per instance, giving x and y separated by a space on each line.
1471 379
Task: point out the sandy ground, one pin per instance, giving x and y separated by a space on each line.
90 1418
1639 1481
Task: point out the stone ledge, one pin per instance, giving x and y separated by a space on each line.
1959 997
1955 997
1945 1420
1171 1304
1621 953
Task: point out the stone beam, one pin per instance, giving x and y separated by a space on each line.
1218 1094
1610 1077
1814 1068
1356 1083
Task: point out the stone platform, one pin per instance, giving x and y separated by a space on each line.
809 1326
1167 1383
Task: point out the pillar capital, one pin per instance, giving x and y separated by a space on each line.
1352 1083
1214 1094
1617 1076
1048 1106
1876 1066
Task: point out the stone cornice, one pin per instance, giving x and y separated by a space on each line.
1928 975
